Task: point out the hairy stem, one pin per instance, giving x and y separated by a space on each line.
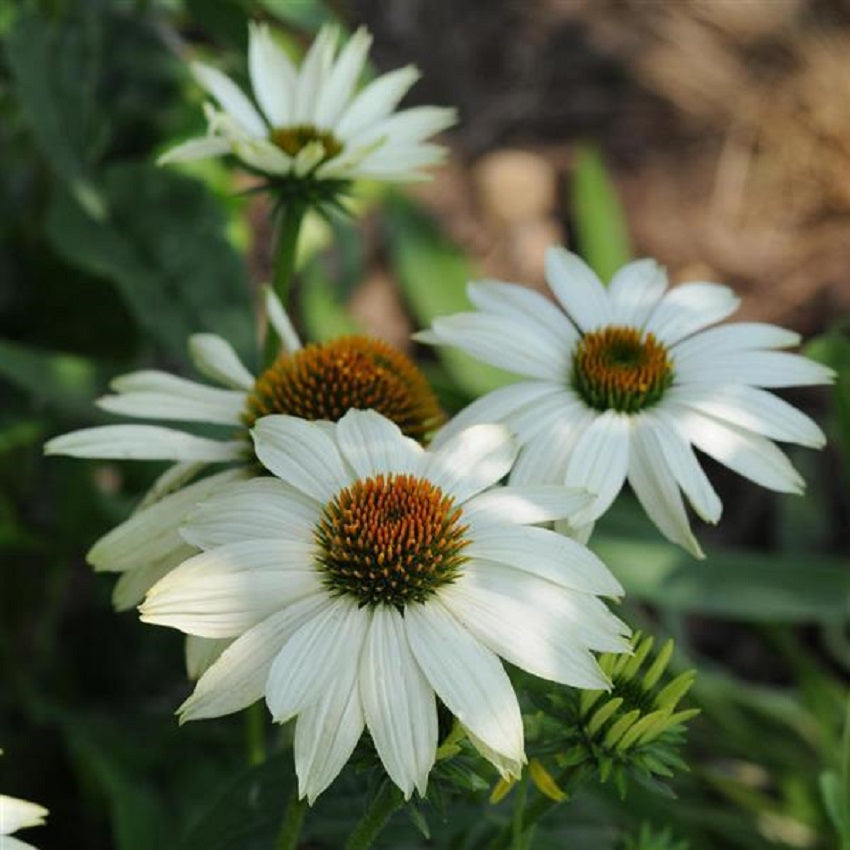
386 801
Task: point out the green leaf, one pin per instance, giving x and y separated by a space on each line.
433 274
601 230
740 585
164 248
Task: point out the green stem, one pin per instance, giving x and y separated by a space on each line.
386 801
291 218
290 829
519 811
255 733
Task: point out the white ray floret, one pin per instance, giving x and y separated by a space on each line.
18 814
620 382
312 121
366 629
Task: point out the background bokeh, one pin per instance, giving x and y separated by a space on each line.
712 135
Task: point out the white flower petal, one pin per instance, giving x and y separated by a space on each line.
229 96
508 768
508 299
545 554
689 307
372 445
316 657
495 407
547 414
202 147
657 490
214 357
228 590
314 70
398 163
635 290
513 344
12 843
526 505
343 78
221 407
746 453
262 155
302 454
143 442
272 75
308 158
326 734
739 336
152 533
407 128
280 321
133 584
375 101
578 289
175 477
201 653
532 637
467 677
682 463
599 461
238 678
260 509
751 408
471 461
18 814
760 368
398 702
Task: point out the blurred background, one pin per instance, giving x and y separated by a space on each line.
712 135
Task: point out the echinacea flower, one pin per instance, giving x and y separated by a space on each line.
622 381
319 381
18 814
371 574
313 124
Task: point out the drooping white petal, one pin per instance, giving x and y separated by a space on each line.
739 336
508 299
467 677
375 101
599 460
578 289
308 158
746 453
657 490
152 533
759 368
563 405
238 678
508 768
272 75
471 461
398 163
342 79
230 98
398 703
201 147
533 638
372 444
495 407
201 653
302 454
260 509
326 734
682 463
133 584
689 307
214 357
316 657
143 442
635 290
262 155
12 843
18 814
751 408
525 505
226 591
407 128
280 321
543 553
175 477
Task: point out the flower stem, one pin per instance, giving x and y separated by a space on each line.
255 734
386 801
291 218
519 811
290 829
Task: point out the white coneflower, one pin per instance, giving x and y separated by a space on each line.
624 380
370 575
18 814
319 381
313 124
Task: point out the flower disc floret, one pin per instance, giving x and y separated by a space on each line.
619 368
324 381
390 539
